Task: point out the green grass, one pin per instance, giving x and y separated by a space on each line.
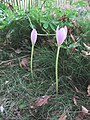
18 91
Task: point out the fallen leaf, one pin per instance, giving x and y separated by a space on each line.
77 38
75 100
80 116
88 90
62 18
24 63
74 49
76 89
18 51
87 47
41 101
86 53
84 113
6 82
63 117
84 110
72 37
1 109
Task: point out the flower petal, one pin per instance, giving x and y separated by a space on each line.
65 28
57 28
60 36
33 36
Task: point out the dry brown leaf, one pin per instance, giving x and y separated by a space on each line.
84 113
75 100
72 37
88 90
41 101
86 53
76 89
87 47
18 51
84 110
24 63
80 116
62 18
63 117
74 49
77 38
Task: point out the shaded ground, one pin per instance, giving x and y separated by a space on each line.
18 91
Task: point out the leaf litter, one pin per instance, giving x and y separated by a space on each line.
88 90
83 114
63 117
43 100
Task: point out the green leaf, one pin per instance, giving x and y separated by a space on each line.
52 27
1 27
45 25
73 45
4 22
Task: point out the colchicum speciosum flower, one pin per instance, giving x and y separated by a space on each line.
33 41
61 35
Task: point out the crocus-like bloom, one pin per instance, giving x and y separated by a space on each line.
33 36
61 35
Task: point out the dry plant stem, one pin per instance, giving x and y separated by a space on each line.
5 62
57 69
32 59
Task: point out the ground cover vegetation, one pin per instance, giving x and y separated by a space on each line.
25 98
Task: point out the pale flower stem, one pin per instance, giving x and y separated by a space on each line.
57 69
32 59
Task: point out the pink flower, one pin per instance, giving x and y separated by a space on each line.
33 36
61 35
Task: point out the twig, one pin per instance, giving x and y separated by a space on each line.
3 62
